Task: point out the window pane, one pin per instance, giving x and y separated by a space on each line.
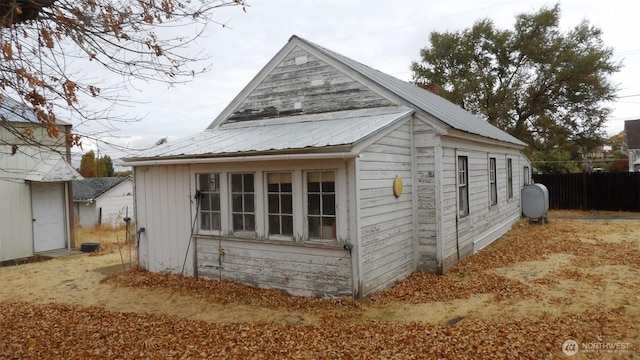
248 203
203 182
205 202
205 221
287 225
274 203
287 204
273 188
215 221
249 223
215 202
314 204
286 187
313 187
248 182
314 227
238 222
236 182
328 204
274 224
236 201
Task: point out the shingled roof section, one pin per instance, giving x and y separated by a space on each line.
92 188
632 133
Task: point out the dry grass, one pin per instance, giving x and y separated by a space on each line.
111 239
521 297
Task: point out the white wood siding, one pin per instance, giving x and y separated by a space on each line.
425 142
303 84
299 270
16 234
163 200
387 234
114 204
462 236
165 207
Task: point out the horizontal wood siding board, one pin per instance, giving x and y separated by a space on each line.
296 269
291 82
386 222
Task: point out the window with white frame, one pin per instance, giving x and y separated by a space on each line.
493 186
527 175
321 204
209 187
463 186
509 178
280 204
243 202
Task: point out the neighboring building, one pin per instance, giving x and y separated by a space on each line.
632 136
35 185
103 200
326 177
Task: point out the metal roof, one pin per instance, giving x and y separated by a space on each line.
12 110
428 102
92 188
52 169
302 133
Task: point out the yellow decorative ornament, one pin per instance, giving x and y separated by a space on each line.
397 186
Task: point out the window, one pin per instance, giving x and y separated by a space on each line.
280 204
321 204
209 186
463 189
509 178
242 202
493 187
527 176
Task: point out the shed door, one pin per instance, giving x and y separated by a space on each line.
47 201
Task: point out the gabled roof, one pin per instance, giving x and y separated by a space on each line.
632 134
52 169
338 131
90 189
13 111
426 101
269 115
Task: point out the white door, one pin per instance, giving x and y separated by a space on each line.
47 201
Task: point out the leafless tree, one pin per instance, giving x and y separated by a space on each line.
43 41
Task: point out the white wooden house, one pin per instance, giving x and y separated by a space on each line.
326 177
35 185
103 201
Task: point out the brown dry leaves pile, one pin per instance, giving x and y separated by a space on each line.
58 331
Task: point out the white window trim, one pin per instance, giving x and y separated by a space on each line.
198 206
509 173
257 183
305 198
459 214
278 237
493 183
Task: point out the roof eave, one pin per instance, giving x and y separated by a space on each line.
334 152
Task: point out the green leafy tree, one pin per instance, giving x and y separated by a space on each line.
88 166
106 166
546 87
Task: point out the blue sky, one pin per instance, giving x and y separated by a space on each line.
386 35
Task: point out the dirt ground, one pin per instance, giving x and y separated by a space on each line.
576 278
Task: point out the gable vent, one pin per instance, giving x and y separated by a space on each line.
302 59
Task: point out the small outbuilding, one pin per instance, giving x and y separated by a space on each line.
35 184
326 177
103 201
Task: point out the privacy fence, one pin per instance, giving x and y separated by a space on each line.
593 191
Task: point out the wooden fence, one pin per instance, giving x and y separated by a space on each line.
593 191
